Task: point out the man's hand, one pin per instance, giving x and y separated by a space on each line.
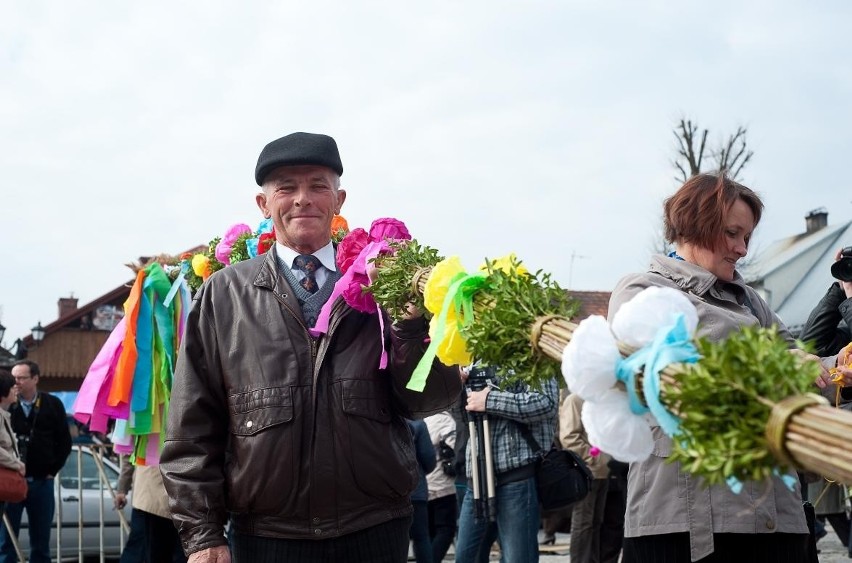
120 501
476 400
412 311
22 469
218 554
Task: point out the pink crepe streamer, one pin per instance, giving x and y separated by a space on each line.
152 450
352 279
96 378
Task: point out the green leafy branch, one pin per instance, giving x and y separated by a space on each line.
507 309
727 398
394 286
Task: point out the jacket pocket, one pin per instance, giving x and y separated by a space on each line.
254 411
663 449
264 442
378 444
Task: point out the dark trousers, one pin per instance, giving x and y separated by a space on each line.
384 543
134 547
419 532
754 548
40 505
612 527
442 525
586 523
162 539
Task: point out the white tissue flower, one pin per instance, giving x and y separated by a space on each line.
636 323
589 360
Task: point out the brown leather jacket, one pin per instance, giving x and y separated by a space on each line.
295 437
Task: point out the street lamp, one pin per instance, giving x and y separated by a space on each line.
38 332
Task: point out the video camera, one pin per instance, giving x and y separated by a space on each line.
479 376
842 269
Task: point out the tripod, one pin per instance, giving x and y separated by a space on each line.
481 458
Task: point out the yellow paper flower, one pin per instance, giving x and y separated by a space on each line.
453 348
438 284
505 264
201 266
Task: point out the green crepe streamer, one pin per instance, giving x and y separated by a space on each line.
460 296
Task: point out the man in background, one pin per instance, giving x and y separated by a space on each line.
44 440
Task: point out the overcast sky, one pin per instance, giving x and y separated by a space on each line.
537 127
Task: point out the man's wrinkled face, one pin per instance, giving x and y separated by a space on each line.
302 201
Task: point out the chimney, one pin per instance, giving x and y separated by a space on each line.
816 220
67 305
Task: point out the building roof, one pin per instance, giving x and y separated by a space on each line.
794 273
591 303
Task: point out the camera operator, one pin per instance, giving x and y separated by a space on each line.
506 410
44 441
829 326
828 329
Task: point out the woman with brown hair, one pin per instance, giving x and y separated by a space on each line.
9 457
672 516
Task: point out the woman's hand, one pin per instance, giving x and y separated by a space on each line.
842 376
825 378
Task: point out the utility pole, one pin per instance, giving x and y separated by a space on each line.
574 256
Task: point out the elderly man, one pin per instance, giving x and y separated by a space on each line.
300 441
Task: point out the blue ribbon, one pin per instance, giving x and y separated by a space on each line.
671 344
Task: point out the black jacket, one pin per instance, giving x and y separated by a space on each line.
43 436
828 325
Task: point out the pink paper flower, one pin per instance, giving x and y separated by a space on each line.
356 297
350 247
388 228
223 249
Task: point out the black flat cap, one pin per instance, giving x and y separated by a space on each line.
298 149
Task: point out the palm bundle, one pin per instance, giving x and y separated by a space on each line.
738 409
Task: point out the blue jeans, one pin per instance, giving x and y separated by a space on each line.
40 504
517 524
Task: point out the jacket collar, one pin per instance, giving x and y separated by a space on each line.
693 278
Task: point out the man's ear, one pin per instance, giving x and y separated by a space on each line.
341 197
260 199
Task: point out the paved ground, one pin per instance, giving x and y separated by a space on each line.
831 550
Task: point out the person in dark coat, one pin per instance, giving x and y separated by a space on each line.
426 462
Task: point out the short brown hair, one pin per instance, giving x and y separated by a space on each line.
6 383
696 212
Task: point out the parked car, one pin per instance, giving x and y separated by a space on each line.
84 488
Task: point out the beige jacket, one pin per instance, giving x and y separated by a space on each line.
662 499
572 436
149 493
8 443
441 426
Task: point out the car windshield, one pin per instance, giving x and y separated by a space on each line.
88 468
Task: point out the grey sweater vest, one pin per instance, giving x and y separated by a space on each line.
311 303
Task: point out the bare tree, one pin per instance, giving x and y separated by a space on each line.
688 156
734 155
730 158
